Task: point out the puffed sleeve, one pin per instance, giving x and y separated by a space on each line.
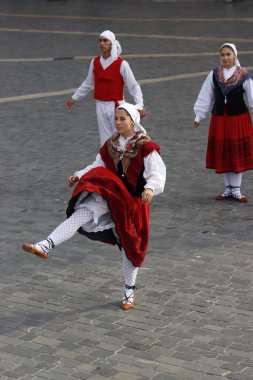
98 162
154 172
205 100
248 88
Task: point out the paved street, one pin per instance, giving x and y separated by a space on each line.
60 318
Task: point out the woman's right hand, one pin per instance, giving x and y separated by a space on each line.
196 124
72 180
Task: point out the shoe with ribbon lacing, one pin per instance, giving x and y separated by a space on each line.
39 249
128 301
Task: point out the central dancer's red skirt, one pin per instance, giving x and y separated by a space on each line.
130 215
230 143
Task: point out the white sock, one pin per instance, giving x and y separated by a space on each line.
65 230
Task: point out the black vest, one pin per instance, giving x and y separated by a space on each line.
230 97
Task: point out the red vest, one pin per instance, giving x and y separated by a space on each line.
135 168
108 83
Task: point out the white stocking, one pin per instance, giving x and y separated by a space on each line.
66 229
130 272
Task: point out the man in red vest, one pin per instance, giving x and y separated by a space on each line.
108 73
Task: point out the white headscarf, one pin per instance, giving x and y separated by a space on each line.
116 48
233 47
135 116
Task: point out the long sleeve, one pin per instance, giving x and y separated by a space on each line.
248 88
86 86
205 100
132 85
154 172
98 162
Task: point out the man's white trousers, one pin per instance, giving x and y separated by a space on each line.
105 116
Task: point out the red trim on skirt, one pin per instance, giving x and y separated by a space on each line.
230 143
130 215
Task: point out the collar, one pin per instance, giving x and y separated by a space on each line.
106 60
230 69
128 138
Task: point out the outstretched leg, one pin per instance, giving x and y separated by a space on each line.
62 233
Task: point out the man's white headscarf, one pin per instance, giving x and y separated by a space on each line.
116 48
135 116
233 47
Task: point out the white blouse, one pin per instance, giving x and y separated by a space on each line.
128 77
205 100
154 169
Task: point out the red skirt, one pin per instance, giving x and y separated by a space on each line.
230 143
130 215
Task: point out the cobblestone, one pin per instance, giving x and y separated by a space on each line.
60 318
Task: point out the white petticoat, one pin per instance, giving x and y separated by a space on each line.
102 219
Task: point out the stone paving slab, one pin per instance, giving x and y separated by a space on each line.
60 318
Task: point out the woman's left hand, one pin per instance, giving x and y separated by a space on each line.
72 180
147 196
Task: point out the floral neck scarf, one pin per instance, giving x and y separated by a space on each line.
237 77
130 151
